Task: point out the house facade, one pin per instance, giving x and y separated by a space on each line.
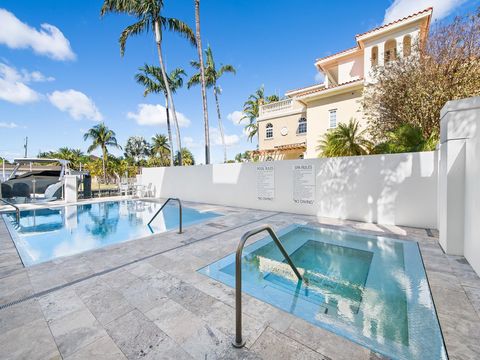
291 128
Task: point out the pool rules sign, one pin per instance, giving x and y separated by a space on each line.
304 184
265 182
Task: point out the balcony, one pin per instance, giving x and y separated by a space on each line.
276 107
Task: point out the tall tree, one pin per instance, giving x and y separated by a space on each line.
202 81
152 80
345 140
160 147
251 109
413 89
102 137
212 75
187 157
137 148
149 16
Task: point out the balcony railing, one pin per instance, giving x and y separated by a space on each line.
276 106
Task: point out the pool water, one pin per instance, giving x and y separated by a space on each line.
46 234
372 290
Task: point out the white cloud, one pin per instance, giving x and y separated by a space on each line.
13 86
10 125
48 41
401 8
35 76
235 117
189 143
150 114
319 78
76 103
216 138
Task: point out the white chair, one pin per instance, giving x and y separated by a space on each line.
148 192
124 189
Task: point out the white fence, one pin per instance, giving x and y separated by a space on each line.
396 189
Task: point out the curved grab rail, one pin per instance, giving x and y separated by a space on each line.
179 213
238 341
17 209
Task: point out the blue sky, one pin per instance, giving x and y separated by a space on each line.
56 82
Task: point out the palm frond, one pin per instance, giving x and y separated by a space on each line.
135 29
179 27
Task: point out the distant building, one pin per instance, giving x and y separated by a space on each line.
291 128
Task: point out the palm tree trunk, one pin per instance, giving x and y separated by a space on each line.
104 155
220 125
202 77
158 39
169 130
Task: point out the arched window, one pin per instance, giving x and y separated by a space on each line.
407 45
374 57
269 158
390 53
302 126
269 131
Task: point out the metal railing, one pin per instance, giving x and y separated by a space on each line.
179 213
238 341
17 209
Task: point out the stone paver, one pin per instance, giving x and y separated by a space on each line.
30 341
273 345
145 299
139 338
75 330
101 349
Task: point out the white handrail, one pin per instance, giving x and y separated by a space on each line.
275 106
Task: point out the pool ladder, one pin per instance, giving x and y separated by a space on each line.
17 209
238 341
179 213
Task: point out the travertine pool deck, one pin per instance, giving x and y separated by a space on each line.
143 299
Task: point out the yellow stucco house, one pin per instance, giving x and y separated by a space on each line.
291 128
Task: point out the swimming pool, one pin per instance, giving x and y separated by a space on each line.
372 290
45 234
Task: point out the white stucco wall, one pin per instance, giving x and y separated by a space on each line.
389 189
350 69
459 190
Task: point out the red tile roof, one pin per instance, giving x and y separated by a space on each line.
395 22
372 30
330 87
338 53
304 87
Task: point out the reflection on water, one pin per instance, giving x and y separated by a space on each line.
371 290
45 234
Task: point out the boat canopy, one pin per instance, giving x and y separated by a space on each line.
40 160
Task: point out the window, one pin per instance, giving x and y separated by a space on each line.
333 118
302 126
374 56
269 131
407 45
390 50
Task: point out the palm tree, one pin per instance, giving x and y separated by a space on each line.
187 157
251 109
151 78
202 78
211 77
406 138
102 137
345 140
149 16
160 147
